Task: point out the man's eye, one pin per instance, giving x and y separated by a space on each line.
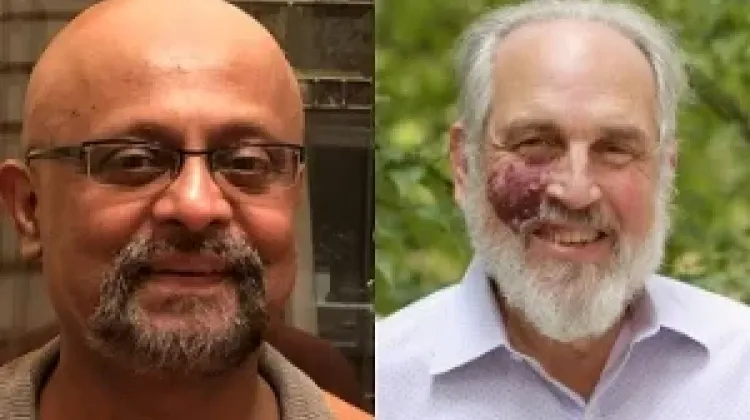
531 142
128 159
132 166
536 148
616 153
250 163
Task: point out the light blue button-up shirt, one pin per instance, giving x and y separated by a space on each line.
685 355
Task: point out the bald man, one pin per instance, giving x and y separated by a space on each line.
162 166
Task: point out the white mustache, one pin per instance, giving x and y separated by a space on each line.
551 212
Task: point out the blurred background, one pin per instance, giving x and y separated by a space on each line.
419 233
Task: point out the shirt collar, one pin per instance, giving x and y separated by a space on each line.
474 325
670 305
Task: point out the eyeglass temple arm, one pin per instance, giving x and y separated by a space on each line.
73 152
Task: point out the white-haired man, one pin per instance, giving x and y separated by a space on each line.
563 161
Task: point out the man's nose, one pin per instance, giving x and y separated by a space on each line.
571 181
193 200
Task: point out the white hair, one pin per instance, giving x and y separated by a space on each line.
475 58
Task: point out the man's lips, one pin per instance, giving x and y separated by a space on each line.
186 268
570 234
201 263
571 242
187 273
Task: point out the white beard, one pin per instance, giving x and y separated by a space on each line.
564 301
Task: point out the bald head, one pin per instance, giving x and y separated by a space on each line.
119 47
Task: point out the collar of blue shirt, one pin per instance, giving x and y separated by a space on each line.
473 325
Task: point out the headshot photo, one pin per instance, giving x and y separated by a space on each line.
186 192
562 216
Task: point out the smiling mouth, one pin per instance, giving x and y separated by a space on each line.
189 273
182 267
181 278
569 236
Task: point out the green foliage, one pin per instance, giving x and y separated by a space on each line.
419 232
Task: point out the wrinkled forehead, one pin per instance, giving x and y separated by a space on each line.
576 72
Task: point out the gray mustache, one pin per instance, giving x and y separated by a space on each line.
553 212
242 260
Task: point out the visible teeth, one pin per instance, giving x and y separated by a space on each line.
574 237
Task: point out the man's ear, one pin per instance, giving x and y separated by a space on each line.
300 188
672 154
20 200
458 160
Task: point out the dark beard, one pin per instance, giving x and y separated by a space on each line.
119 328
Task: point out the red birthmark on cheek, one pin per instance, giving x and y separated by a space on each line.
515 193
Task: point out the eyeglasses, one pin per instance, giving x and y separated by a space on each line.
252 168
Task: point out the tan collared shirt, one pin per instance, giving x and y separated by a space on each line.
22 379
